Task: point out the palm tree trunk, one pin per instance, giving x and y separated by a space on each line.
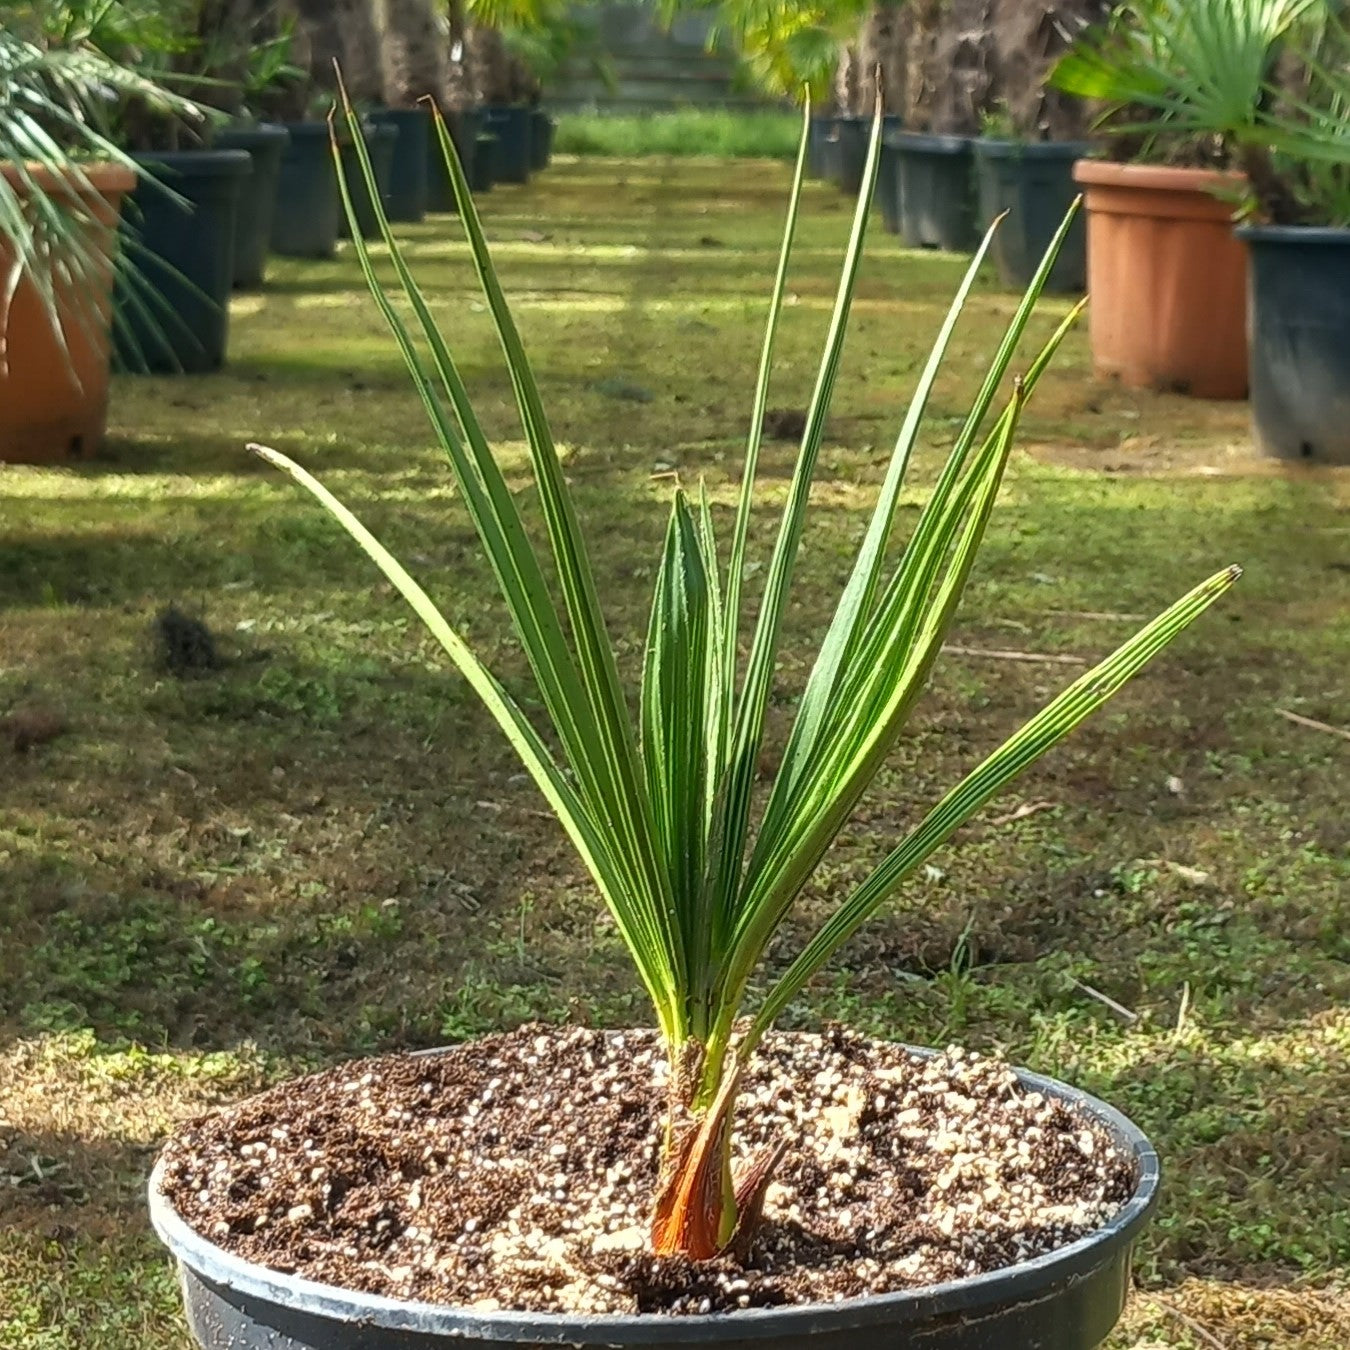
344 32
414 50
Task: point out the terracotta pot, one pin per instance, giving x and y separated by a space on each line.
1167 277
54 384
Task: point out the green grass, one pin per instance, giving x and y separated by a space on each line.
725 133
324 850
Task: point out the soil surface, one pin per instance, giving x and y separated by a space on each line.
517 1171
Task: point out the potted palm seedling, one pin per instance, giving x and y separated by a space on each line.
1167 276
63 178
710 1180
1267 87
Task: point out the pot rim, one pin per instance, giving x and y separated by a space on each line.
103 176
1001 147
1153 177
930 142
1024 1281
234 135
1294 234
203 163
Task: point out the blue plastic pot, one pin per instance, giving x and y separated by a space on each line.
175 316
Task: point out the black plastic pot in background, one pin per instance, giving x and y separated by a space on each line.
851 135
888 179
380 141
937 197
818 142
1033 183
406 199
487 150
305 223
1298 336
464 128
833 156
265 143
541 139
1066 1300
175 315
511 127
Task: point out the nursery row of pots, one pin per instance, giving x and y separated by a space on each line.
1183 301
198 223
272 188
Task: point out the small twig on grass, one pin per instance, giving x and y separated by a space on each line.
1104 615
1003 654
1120 1010
1313 723
1022 812
1203 1332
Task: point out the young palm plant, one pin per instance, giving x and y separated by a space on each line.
660 807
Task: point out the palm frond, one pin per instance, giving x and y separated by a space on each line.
660 810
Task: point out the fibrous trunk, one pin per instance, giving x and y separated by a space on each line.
414 50
942 64
345 32
498 74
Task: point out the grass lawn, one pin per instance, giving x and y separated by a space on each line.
737 133
324 849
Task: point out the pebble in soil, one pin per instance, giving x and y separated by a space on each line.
517 1171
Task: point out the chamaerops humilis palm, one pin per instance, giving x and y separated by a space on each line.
659 806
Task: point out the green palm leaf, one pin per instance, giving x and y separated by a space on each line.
660 808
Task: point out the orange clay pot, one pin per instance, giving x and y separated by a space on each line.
1167 277
54 392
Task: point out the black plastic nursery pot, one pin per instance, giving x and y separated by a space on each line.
265 143
851 135
487 151
406 199
512 127
937 199
1065 1300
176 317
541 139
888 187
1033 183
380 141
818 143
305 224
1298 336
465 128
832 155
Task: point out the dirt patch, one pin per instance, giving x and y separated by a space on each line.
517 1171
